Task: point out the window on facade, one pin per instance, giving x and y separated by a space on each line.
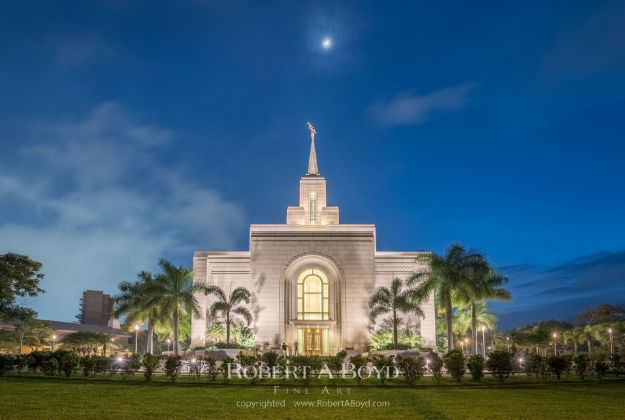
313 208
313 298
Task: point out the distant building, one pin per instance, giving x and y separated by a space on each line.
96 308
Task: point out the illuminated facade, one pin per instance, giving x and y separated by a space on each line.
311 278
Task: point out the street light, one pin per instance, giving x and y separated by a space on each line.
136 337
483 341
611 342
168 344
508 342
53 341
555 344
466 344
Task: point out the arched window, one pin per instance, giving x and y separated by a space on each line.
313 295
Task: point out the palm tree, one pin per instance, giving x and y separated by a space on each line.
394 300
173 292
464 315
573 336
589 334
136 303
485 284
447 275
229 306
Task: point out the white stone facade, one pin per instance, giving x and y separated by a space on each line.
312 244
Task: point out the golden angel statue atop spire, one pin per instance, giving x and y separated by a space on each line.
312 130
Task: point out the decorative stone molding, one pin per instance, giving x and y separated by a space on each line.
228 267
383 268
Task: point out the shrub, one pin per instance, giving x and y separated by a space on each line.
411 367
196 367
228 346
244 335
270 358
381 362
101 364
88 365
383 340
50 367
150 363
247 362
535 365
581 365
216 333
618 364
500 364
172 367
558 364
36 359
133 363
358 361
68 363
454 362
601 368
335 363
436 366
224 366
21 361
475 364
211 367
7 362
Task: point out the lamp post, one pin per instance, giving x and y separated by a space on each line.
136 337
466 344
555 344
611 342
520 363
53 341
508 343
169 344
483 341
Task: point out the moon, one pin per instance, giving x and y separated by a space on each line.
326 43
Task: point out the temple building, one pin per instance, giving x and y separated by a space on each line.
311 278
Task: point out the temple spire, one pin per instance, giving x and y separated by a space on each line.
312 159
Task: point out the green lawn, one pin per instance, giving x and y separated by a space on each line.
44 398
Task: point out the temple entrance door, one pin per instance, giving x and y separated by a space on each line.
313 342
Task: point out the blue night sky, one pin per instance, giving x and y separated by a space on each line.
132 131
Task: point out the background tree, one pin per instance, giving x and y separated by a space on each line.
19 277
447 275
573 336
393 301
229 306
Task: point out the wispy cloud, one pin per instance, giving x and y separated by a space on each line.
409 108
560 292
94 203
592 46
74 51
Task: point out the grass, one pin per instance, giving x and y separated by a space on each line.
49 398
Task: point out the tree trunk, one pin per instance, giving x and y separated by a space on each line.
575 348
21 342
228 328
474 327
176 324
395 329
448 315
150 340
589 347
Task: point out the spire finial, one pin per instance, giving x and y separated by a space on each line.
312 159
